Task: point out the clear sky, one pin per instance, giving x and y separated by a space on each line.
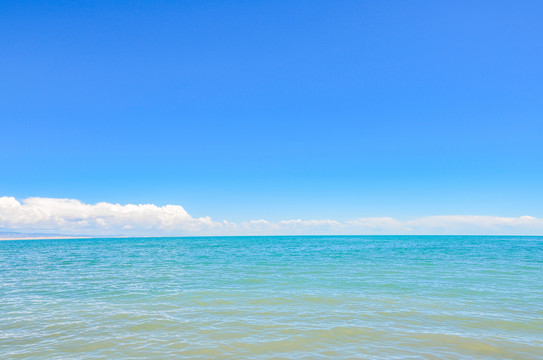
276 110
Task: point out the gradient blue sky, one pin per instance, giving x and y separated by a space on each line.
276 109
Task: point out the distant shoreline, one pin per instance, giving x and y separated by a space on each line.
44 238
60 237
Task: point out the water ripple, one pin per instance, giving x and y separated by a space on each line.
273 297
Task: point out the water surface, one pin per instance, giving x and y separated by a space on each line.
356 297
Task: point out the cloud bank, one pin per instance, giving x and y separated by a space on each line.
73 217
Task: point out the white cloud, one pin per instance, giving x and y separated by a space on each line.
73 216
70 216
471 224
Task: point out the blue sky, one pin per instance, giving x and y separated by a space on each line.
276 109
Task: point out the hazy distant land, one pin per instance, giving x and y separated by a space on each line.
10 235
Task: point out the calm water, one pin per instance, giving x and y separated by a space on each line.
323 297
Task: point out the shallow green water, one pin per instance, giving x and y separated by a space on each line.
392 297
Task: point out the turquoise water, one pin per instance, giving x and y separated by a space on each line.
325 297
